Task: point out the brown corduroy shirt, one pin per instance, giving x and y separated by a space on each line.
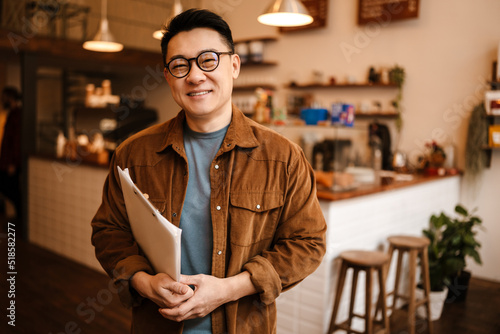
265 214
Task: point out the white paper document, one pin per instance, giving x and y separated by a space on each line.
158 238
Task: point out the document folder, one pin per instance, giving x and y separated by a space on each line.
158 238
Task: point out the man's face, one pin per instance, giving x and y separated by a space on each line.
205 96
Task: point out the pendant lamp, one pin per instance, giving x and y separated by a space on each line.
286 13
103 41
176 10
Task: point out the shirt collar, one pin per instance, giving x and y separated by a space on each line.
239 133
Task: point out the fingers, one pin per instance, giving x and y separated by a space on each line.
184 311
206 298
174 314
189 280
175 294
181 288
195 280
166 292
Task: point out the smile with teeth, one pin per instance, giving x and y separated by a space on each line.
199 93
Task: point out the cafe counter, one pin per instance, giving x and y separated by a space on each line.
362 219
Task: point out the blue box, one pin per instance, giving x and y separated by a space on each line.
347 115
313 116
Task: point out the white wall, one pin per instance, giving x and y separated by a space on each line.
447 53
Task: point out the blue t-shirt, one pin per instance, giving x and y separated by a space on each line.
196 220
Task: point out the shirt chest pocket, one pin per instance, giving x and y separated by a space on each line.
253 216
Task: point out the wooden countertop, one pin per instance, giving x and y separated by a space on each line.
386 184
323 193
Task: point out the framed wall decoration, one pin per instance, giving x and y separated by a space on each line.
370 11
318 10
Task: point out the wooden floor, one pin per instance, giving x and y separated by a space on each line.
55 295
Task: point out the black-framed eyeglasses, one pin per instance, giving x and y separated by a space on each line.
207 61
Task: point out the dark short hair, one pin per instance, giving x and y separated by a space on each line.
11 92
195 18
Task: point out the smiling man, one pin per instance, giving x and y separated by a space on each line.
244 196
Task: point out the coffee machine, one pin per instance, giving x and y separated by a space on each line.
380 142
331 154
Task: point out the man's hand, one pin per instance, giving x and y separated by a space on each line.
161 289
210 292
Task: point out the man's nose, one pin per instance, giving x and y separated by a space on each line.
195 75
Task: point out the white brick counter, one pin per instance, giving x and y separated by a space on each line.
363 222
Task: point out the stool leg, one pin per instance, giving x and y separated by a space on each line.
412 279
338 295
382 300
353 296
386 274
427 286
368 302
386 269
398 277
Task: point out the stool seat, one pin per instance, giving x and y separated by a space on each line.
365 258
407 241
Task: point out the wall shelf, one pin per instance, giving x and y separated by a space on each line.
249 64
382 114
360 85
386 114
260 63
244 88
263 39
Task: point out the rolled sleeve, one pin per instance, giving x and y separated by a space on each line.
265 278
125 270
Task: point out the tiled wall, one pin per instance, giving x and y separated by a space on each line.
63 198
361 223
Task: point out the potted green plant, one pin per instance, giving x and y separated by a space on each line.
459 236
452 241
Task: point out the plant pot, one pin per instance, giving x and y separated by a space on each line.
437 299
457 290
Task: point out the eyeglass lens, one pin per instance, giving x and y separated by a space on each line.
206 61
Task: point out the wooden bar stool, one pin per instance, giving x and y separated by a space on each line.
369 262
414 246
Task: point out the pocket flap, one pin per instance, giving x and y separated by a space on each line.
257 202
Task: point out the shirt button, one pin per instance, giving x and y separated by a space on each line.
218 208
174 214
216 166
219 252
258 206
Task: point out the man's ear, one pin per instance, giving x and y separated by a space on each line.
236 64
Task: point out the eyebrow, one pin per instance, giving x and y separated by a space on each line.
199 53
